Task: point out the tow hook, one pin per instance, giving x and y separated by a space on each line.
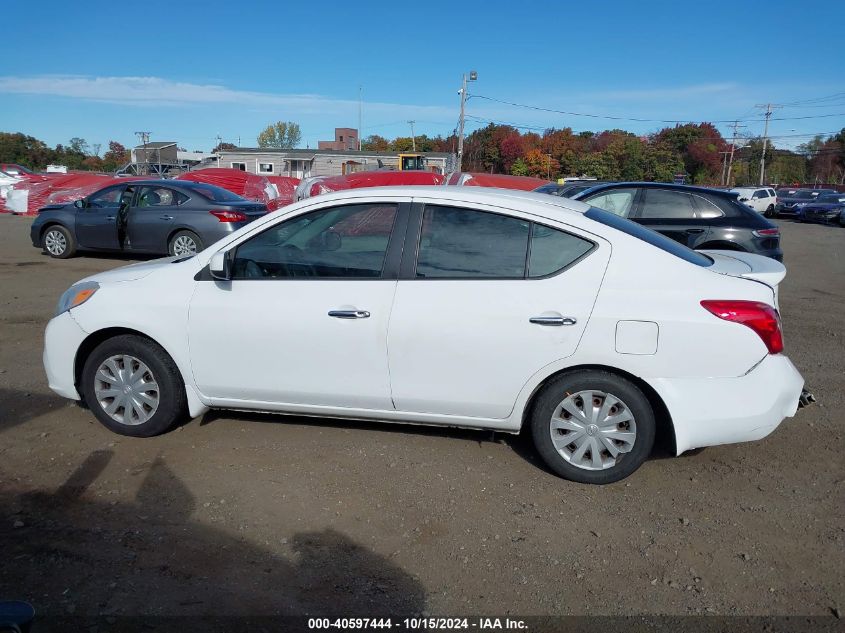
805 399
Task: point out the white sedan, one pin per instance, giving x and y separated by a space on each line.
451 306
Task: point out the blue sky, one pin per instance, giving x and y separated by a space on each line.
188 71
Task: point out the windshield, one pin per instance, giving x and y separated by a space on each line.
217 194
804 194
831 198
647 235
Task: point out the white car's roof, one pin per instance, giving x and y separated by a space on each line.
541 203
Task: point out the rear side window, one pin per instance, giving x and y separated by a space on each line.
465 244
647 235
671 205
461 243
707 209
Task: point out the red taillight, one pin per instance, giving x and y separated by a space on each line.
760 317
229 216
767 232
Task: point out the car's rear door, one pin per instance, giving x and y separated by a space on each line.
303 322
151 218
484 301
672 213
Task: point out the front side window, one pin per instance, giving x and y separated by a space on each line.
347 242
617 201
106 199
461 243
665 204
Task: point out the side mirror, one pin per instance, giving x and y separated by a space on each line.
79 204
220 265
743 199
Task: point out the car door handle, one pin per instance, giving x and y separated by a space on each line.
165 217
349 314
110 217
695 230
553 320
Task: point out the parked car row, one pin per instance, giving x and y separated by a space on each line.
812 205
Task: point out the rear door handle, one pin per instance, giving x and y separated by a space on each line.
695 230
553 320
349 314
166 217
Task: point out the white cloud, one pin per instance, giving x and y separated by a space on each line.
156 91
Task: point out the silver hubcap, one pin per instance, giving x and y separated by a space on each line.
184 245
55 242
593 430
126 389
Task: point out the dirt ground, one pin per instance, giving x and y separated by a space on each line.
250 514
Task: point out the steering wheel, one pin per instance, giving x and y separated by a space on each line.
296 265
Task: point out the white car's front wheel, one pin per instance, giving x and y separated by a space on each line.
133 387
593 426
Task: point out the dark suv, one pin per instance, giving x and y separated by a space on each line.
697 217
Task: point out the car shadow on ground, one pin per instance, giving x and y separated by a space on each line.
522 443
18 407
71 554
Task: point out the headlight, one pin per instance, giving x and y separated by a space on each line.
76 295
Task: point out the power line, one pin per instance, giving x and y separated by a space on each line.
640 120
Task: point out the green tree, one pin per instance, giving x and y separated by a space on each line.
375 143
24 150
280 135
519 167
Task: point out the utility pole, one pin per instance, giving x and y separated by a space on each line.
725 155
144 138
219 141
463 92
768 107
360 115
413 137
735 127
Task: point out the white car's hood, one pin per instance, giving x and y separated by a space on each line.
132 271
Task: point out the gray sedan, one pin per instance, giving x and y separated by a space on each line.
143 216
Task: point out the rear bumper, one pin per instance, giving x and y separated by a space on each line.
61 342
713 411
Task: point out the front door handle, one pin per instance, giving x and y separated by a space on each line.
553 320
110 217
165 217
349 314
695 230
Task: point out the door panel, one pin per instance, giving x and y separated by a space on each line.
152 218
304 320
274 341
96 224
467 346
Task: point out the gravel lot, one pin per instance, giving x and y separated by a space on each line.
253 514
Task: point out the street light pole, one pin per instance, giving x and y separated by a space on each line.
463 91
413 137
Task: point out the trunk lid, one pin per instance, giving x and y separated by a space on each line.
748 266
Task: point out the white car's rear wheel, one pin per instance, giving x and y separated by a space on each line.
593 426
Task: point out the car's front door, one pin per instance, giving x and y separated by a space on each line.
303 322
671 213
96 223
477 314
151 218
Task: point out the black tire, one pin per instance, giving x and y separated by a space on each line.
172 401
569 384
770 212
185 235
58 242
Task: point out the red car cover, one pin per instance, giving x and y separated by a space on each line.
502 181
376 179
239 182
30 195
286 186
